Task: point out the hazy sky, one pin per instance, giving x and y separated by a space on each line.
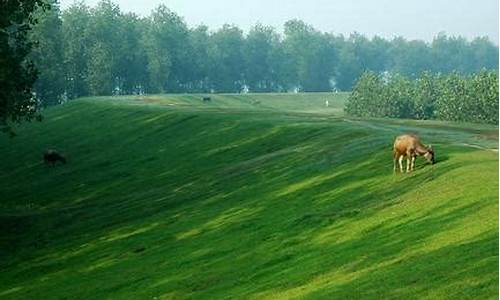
413 19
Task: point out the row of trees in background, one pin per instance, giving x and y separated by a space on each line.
102 51
453 97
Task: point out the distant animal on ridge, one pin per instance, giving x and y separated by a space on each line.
51 157
409 146
207 99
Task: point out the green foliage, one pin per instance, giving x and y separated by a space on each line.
106 51
225 54
48 55
100 72
259 53
453 102
410 58
76 20
484 89
200 66
425 96
309 57
167 49
17 72
471 98
453 97
366 97
107 47
396 98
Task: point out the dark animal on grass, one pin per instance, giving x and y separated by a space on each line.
207 99
409 146
51 157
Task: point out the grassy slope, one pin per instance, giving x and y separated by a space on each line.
241 199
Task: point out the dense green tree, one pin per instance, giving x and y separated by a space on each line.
47 54
76 43
310 57
199 67
450 54
17 73
131 64
484 91
259 55
108 52
225 53
452 101
396 98
166 38
453 97
105 48
366 97
349 67
426 91
409 58
484 55
377 54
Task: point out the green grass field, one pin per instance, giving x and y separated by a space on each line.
247 197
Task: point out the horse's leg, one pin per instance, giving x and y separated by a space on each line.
401 163
413 158
409 157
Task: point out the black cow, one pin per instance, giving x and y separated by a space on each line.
207 99
51 157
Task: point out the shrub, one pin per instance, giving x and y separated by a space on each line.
452 97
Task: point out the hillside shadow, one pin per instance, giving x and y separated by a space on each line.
389 257
274 215
449 274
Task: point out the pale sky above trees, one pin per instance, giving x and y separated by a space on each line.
415 19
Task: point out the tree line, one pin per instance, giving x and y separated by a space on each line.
452 97
101 50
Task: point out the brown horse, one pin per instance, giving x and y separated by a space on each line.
409 146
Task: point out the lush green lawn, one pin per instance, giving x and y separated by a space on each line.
254 196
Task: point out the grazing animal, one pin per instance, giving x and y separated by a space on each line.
409 146
51 157
207 99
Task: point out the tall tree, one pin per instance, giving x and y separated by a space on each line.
17 73
226 59
48 54
198 59
349 67
76 20
166 41
310 57
450 54
259 55
484 54
105 38
131 68
409 58
298 37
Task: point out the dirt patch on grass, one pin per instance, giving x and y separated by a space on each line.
488 135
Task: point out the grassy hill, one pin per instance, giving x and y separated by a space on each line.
247 197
